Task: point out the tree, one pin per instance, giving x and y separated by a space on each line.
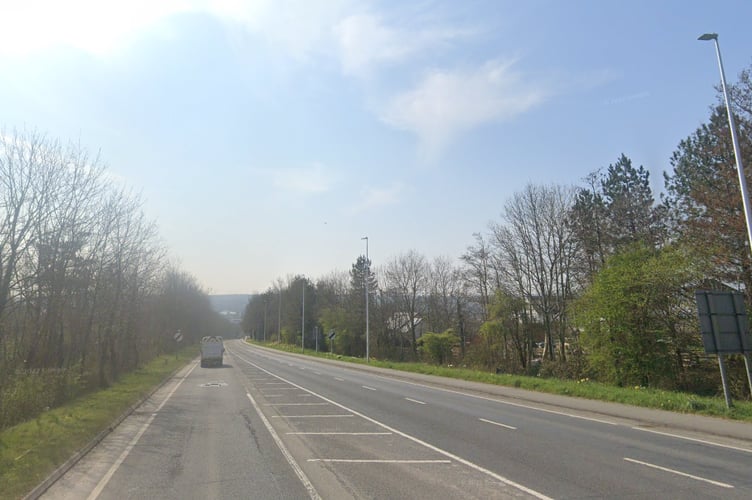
638 316
437 347
406 277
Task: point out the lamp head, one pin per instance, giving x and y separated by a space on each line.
708 36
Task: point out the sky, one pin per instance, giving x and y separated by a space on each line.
268 137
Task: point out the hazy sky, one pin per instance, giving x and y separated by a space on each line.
268 137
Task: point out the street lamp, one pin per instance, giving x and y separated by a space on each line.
368 272
734 138
745 195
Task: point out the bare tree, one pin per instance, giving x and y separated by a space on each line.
406 276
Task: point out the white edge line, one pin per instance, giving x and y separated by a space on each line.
447 454
416 401
108 475
497 423
290 460
666 469
678 436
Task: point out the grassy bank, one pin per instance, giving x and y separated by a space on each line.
31 450
635 396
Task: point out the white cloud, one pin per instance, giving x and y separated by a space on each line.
376 197
312 179
447 103
365 42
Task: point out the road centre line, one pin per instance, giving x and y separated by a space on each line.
339 433
340 379
441 451
369 388
415 401
290 460
497 423
673 471
711 443
377 461
108 475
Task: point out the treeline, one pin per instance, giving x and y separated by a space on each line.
593 281
86 293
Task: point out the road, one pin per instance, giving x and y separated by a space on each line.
272 425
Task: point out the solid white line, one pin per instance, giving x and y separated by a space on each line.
290 460
310 416
106 478
414 439
711 443
369 388
666 469
415 401
376 461
340 379
497 423
339 433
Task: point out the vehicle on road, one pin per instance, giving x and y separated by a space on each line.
212 351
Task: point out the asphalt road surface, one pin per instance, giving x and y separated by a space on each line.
272 425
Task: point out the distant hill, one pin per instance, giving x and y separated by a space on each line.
230 303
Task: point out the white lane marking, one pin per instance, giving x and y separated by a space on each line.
272 383
317 373
106 478
339 433
311 416
284 388
377 461
340 379
414 439
369 388
296 404
485 398
290 460
666 469
497 423
711 443
415 401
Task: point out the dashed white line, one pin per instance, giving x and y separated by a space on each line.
415 401
497 423
312 416
339 379
317 373
369 388
414 439
377 461
673 471
339 433
711 443
296 404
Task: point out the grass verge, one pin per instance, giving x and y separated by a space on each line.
636 396
31 450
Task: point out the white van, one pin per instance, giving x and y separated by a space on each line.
212 350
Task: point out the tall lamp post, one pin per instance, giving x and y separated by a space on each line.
742 184
734 138
368 273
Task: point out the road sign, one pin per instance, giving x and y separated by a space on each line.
178 336
331 334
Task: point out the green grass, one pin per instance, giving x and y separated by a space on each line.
31 450
636 396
